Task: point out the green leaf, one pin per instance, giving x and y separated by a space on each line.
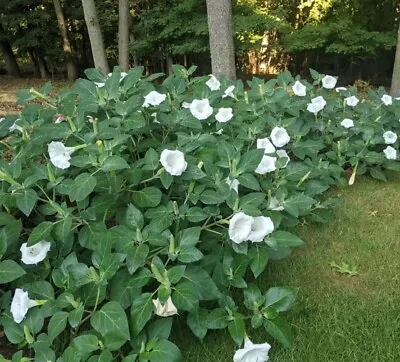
111 321
40 232
196 214
250 160
211 197
217 319
197 323
190 236
254 199
85 344
159 329
136 257
9 271
258 260
285 239
298 204
151 159
189 254
3 242
176 273
114 163
111 88
141 311
250 181
82 187
147 197
26 200
281 299
237 328
63 228
134 218
193 173
57 324
166 180
163 351
201 282
278 329
185 296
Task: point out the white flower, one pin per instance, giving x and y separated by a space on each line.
213 83
352 101
329 82
154 98
275 205
317 104
229 92
390 137
341 89
279 137
299 89
267 164
266 144
386 99
123 75
154 115
240 227
283 154
100 84
219 131
15 127
59 154
261 227
185 105
173 162
347 123
390 153
20 305
36 253
166 310
201 109
252 352
224 115
233 184
2 119
90 119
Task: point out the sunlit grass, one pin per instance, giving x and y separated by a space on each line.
337 318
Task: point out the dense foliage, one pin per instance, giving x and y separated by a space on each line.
125 202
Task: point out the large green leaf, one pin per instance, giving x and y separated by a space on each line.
9 271
40 232
85 344
57 324
237 328
136 257
281 299
163 351
201 282
259 259
114 163
26 200
147 197
82 187
285 239
250 160
141 311
278 329
185 296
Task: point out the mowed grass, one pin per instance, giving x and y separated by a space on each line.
337 318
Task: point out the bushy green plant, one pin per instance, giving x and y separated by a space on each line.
126 201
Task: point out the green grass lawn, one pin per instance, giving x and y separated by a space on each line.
337 318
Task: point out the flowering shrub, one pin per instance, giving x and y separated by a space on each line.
126 202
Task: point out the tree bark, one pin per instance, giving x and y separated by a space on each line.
71 65
10 60
395 86
44 71
123 35
219 14
95 36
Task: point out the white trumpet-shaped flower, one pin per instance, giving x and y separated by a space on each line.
59 154
347 123
317 104
387 100
233 183
341 89
166 310
240 227
261 227
283 154
213 83
173 162
299 89
279 136
154 98
390 137
36 253
252 352
275 204
329 82
20 305
390 153
201 109
224 115
267 164
229 92
352 101
266 144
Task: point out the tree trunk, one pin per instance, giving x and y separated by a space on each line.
395 86
9 57
170 61
219 14
123 35
95 36
44 71
36 70
71 66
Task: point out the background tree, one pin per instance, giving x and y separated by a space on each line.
395 86
96 38
219 15
123 35
71 66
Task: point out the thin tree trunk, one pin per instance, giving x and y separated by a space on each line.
36 70
10 60
123 35
395 86
219 14
71 66
44 72
95 36
170 61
